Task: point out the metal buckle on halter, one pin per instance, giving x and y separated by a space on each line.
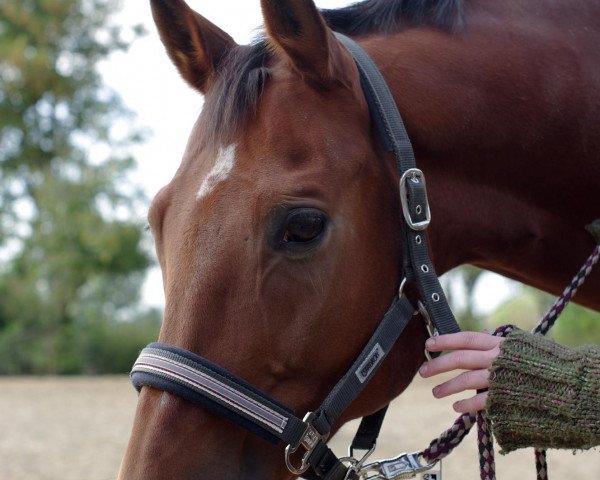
405 465
309 440
417 176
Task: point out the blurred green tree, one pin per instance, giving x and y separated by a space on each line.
459 285
576 326
71 252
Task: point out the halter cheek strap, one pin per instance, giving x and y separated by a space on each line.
196 379
413 190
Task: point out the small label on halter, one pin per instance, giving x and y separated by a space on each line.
366 368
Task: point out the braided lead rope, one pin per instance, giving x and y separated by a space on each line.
541 466
444 445
485 444
485 438
548 321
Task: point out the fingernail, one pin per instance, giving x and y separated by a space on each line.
435 391
423 369
430 342
455 406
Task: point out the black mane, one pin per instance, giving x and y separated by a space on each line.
243 75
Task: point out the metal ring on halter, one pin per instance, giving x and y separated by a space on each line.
401 287
431 330
355 465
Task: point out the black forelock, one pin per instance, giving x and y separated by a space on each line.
236 92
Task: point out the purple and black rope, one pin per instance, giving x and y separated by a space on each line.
451 438
548 321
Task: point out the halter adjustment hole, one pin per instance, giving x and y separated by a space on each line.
425 268
419 209
418 240
435 297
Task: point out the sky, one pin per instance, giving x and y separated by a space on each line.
167 108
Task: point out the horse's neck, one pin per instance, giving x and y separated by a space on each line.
511 161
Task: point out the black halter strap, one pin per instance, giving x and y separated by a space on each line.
417 265
185 374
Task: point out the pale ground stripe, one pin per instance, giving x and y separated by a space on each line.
76 428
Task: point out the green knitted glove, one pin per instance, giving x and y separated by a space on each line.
544 395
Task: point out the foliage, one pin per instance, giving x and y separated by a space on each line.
71 253
459 285
576 326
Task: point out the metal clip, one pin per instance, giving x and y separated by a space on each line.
354 465
405 465
309 440
415 175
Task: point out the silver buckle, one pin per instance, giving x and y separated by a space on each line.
414 175
309 440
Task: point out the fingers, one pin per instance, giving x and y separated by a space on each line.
463 340
472 380
459 360
473 404
471 351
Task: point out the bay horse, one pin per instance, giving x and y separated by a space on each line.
278 237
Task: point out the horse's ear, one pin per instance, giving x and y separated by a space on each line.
195 45
297 28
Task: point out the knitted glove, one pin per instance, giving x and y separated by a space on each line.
544 395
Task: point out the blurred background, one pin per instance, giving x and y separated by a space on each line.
93 121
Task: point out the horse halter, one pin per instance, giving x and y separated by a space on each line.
194 378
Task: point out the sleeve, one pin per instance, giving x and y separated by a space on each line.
544 395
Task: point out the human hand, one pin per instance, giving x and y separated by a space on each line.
471 351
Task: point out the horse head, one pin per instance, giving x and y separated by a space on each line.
278 238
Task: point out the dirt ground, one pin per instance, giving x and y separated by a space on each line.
77 428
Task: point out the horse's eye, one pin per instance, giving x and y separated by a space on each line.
303 225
